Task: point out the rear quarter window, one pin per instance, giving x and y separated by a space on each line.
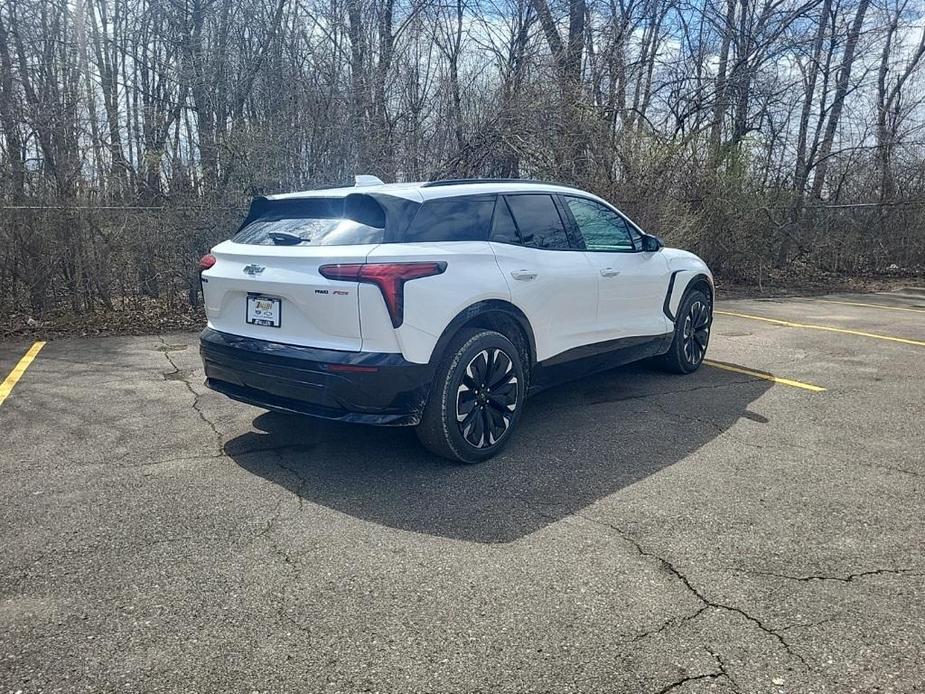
464 218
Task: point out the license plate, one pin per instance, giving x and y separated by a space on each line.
263 310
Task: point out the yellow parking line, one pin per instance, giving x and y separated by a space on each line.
828 328
858 303
764 375
19 370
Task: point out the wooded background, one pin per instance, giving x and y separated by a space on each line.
777 138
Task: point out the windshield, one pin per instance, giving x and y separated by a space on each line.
308 232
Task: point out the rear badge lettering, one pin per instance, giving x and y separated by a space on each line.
336 292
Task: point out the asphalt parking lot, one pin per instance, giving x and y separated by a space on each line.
644 533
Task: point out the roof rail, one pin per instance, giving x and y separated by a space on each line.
466 181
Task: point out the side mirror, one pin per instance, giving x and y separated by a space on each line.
651 244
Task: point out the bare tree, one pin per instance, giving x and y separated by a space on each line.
738 127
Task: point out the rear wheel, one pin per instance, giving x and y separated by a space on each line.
476 399
691 334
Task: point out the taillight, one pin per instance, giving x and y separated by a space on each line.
206 261
389 277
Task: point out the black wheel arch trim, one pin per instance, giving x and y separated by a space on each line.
483 308
699 277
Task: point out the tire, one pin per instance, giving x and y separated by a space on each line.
463 420
691 334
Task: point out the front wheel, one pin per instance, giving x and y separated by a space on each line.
691 334
476 400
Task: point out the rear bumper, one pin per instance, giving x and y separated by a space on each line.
386 389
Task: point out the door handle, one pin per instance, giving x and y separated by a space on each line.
609 272
525 275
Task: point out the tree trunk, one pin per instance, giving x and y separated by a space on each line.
838 101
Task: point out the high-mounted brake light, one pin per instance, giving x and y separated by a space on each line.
389 277
206 261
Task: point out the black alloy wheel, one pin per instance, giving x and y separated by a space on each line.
696 333
691 334
487 398
477 397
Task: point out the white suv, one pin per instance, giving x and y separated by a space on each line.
441 305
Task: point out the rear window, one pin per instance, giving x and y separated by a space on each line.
466 218
354 219
307 232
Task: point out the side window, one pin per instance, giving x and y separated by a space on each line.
503 229
538 221
464 218
602 228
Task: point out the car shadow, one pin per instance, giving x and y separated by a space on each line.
577 443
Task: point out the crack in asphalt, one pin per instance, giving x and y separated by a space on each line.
727 432
266 532
224 454
670 624
724 671
688 678
823 577
672 569
195 405
888 468
297 492
774 633
280 599
270 522
690 418
706 422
